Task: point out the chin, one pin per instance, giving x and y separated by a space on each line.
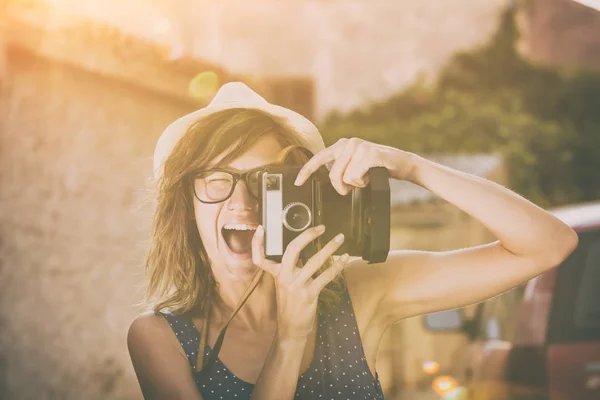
233 267
238 266
241 273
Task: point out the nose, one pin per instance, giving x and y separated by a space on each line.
241 199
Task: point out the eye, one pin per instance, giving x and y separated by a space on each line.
217 180
215 177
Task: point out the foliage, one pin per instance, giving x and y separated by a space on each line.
545 122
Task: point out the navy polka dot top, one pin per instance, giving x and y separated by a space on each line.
338 370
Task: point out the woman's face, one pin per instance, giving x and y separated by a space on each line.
226 228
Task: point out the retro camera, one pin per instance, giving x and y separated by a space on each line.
286 210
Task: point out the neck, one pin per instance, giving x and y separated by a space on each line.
258 313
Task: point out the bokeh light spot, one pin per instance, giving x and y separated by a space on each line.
204 85
431 367
443 385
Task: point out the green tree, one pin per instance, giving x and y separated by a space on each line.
543 121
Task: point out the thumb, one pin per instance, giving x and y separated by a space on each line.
258 253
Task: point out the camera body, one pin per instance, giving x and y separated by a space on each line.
286 210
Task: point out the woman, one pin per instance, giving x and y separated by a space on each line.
308 330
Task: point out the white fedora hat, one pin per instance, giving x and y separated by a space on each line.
234 95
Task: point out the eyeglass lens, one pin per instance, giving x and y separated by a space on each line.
215 186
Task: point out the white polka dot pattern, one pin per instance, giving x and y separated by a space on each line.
338 370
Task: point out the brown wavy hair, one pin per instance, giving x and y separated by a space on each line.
177 266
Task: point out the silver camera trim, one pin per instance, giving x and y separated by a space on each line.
287 208
272 215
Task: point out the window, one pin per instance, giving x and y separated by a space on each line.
575 314
533 316
587 306
499 315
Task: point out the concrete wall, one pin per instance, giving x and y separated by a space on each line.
75 156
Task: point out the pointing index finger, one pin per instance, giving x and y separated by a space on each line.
319 159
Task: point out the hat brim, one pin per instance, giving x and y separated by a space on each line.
284 116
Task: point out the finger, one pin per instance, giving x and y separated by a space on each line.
365 158
292 252
258 253
312 165
328 275
339 167
315 262
355 173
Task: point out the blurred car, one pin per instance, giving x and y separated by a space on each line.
540 341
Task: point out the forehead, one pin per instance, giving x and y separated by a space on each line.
264 151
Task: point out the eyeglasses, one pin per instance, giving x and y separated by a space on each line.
217 184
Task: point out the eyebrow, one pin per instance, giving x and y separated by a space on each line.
239 171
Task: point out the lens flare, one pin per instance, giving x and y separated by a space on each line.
204 85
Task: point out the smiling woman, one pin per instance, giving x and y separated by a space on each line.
201 255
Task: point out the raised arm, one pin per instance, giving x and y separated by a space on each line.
530 241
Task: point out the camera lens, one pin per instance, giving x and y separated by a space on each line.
297 217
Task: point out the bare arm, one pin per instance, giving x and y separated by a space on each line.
297 300
279 374
161 366
530 241
522 228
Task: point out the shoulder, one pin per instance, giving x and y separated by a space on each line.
144 329
158 359
145 321
149 330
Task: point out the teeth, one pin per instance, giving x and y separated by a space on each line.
240 227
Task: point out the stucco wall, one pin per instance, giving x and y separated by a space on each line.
75 157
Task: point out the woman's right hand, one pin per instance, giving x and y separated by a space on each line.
297 291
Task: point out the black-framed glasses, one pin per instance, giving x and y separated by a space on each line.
217 184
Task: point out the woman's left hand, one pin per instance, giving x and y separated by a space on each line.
353 159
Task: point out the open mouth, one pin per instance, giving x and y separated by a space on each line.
238 237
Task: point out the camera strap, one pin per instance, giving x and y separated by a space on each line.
204 330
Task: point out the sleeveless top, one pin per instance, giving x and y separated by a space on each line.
338 369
